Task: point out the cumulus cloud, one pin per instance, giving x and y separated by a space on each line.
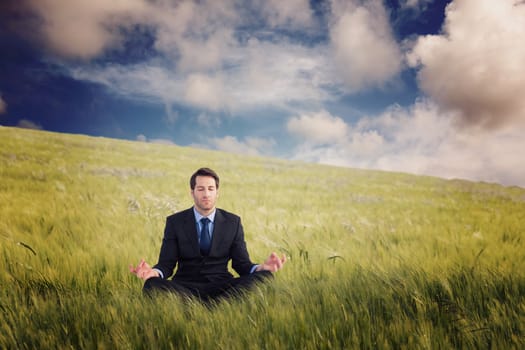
205 54
422 139
84 28
249 145
318 128
3 105
183 30
205 91
259 73
195 35
280 73
365 50
294 13
476 65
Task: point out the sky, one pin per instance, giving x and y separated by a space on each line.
416 86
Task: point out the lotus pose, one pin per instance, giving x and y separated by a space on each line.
200 241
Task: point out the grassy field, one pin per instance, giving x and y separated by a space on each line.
377 260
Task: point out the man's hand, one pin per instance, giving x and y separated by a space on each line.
143 270
272 264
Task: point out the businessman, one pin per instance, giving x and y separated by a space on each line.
200 241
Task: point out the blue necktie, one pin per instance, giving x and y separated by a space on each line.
205 241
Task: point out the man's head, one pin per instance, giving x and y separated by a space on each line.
204 184
204 172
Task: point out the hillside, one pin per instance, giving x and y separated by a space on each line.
376 259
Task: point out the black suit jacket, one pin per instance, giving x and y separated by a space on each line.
180 247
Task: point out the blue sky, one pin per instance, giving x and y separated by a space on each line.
418 86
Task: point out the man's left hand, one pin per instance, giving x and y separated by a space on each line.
273 263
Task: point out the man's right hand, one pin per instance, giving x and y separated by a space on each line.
143 270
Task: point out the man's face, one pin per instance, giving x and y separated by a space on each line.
205 194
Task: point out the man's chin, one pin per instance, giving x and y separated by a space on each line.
207 207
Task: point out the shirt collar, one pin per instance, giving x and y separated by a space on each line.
198 216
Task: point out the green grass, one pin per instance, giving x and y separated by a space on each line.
377 260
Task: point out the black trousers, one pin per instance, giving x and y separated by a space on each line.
206 291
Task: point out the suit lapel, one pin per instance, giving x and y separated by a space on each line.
218 230
190 230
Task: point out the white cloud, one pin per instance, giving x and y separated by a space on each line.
250 145
143 138
208 120
149 80
259 74
206 55
423 140
84 28
280 73
415 4
196 35
364 48
3 105
171 116
28 124
290 13
319 128
476 65
205 91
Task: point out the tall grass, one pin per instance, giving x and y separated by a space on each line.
376 259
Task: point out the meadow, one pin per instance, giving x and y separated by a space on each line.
376 260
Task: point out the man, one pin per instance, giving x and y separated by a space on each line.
201 241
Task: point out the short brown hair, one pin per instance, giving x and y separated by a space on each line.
204 172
